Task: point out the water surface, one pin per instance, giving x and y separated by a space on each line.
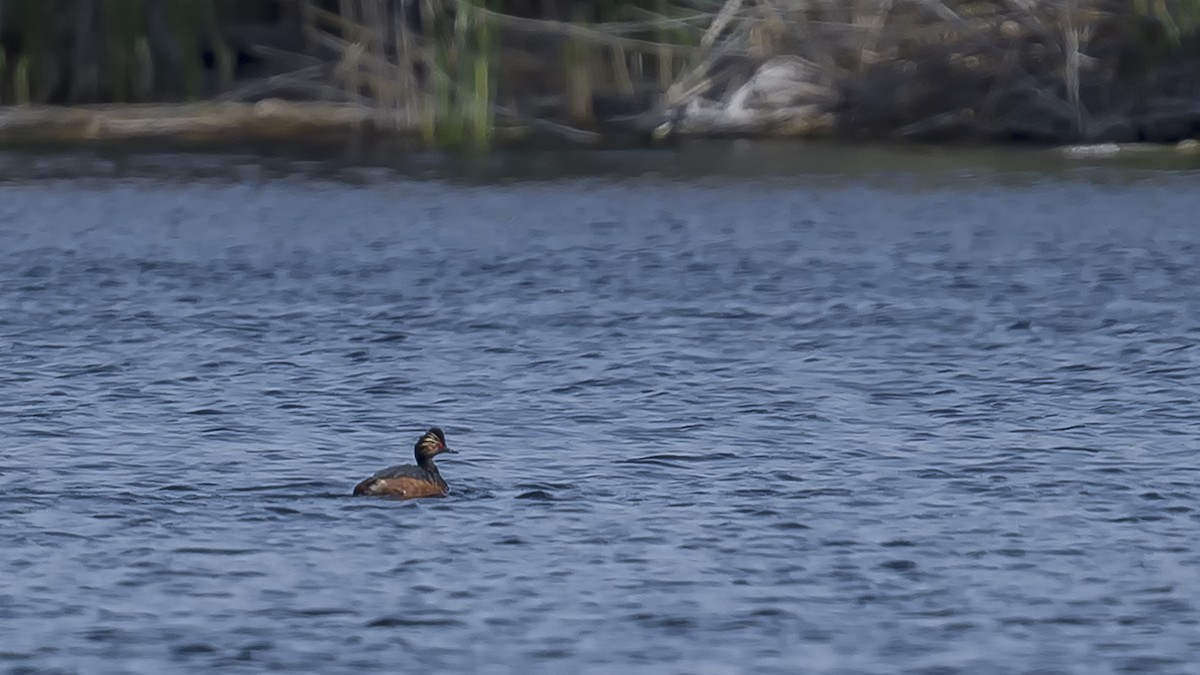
877 418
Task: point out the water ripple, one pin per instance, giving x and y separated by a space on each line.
705 426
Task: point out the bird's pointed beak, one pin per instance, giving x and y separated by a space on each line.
449 449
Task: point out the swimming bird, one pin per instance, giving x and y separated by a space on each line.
407 481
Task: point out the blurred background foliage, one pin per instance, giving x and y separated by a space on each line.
457 68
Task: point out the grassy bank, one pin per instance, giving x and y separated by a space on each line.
461 72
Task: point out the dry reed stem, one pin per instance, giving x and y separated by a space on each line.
604 33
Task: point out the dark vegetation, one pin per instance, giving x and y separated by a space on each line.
465 70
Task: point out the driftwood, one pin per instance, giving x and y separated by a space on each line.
200 120
784 96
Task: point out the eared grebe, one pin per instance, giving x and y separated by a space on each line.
408 481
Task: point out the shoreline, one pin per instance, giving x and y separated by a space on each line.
1096 78
275 120
268 119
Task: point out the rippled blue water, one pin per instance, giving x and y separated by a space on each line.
828 424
